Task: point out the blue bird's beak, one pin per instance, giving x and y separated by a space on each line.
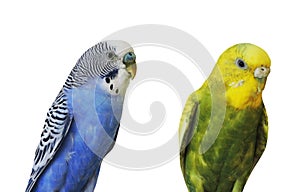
129 61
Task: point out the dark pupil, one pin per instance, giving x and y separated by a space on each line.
241 63
110 55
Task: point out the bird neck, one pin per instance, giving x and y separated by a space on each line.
243 98
247 94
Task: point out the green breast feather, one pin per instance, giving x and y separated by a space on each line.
219 159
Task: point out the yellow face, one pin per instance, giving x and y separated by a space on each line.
244 68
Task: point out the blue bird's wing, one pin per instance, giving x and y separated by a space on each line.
55 129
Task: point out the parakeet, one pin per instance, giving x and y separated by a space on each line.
82 124
224 125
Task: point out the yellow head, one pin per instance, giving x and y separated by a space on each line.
244 69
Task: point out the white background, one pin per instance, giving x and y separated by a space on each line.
41 41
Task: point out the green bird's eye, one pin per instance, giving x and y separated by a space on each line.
241 64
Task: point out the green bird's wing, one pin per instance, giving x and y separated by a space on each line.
188 123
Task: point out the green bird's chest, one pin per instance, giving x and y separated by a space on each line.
234 144
227 148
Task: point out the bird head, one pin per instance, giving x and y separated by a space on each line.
112 63
124 55
244 69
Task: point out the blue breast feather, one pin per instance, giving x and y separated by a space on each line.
91 136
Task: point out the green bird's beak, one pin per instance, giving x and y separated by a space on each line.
261 72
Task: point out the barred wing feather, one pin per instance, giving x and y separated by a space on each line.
56 127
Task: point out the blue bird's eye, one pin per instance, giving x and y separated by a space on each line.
110 55
241 64
129 58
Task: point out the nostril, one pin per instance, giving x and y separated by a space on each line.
129 58
261 72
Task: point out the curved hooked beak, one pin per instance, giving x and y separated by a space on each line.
261 72
129 61
131 70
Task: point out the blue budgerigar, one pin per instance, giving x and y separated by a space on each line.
82 124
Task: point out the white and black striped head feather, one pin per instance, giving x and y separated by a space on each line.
104 60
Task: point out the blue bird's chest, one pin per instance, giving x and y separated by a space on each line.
92 134
97 116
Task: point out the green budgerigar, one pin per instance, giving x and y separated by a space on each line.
223 128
